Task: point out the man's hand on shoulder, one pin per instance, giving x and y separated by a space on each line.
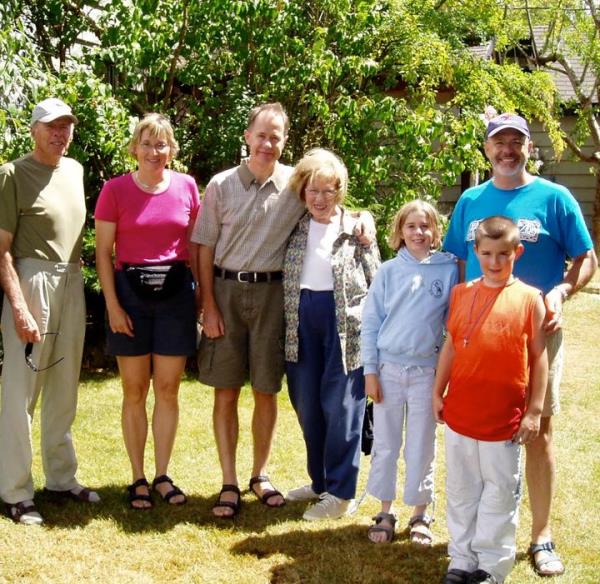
364 229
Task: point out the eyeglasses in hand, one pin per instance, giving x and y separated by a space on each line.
29 362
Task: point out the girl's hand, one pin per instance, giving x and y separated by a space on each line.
438 408
373 387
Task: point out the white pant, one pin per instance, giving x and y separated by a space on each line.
483 491
406 393
54 295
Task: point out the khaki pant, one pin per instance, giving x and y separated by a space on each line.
54 294
554 346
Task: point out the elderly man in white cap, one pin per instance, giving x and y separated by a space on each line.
552 229
42 215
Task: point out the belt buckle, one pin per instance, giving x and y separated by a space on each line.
241 275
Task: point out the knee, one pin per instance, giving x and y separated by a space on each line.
265 401
226 399
135 395
166 391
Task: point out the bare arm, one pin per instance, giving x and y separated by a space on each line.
462 268
579 274
25 325
118 319
195 267
538 379
212 320
442 376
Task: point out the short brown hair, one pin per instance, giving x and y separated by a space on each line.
158 126
498 227
396 240
319 163
274 107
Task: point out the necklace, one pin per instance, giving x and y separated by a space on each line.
148 187
486 305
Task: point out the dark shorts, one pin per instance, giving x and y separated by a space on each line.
252 347
163 327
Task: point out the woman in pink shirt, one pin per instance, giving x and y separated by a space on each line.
145 217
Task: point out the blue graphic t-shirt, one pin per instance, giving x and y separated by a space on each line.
549 220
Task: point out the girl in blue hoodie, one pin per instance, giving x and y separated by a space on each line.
402 327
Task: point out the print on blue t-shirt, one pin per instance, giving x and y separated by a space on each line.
549 220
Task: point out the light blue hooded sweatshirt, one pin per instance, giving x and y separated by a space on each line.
405 311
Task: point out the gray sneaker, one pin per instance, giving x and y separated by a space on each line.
328 507
304 493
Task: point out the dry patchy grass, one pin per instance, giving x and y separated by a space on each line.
110 543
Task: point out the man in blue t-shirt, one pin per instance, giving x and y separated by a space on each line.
552 229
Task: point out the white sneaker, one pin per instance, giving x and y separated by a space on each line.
304 493
328 507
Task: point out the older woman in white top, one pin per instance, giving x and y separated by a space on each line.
327 273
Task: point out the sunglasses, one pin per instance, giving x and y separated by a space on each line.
29 362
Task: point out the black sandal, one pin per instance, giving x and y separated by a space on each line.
228 504
264 498
172 493
134 496
25 514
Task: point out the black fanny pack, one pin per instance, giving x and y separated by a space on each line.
156 282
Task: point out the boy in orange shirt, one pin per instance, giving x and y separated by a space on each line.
495 366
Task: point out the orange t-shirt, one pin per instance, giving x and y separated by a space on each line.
490 329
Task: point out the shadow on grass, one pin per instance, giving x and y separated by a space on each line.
345 555
64 514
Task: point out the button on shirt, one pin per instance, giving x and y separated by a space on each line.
247 223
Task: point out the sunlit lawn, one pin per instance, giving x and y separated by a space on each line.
110 543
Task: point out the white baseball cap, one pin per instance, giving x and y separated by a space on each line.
50 109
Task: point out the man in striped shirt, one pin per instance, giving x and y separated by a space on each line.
246 220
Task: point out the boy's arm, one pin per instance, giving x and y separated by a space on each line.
538 379
442 376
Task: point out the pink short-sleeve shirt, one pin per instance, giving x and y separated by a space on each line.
151 228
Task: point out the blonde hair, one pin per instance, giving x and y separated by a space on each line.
396 240
323 164
158 126
497 228
274 107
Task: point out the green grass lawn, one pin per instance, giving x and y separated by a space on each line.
110 543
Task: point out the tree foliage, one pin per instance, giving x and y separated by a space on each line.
362 77
563 37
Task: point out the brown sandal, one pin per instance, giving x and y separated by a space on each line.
379 528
